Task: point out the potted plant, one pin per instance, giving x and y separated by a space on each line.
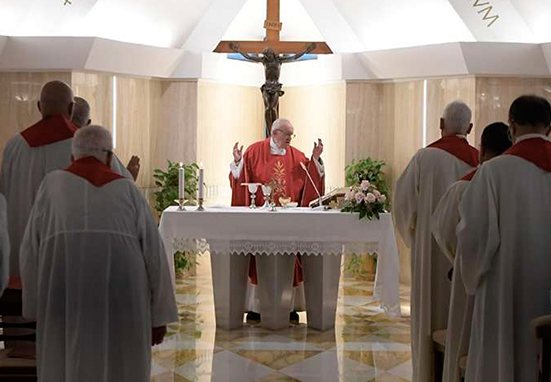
370 170
167 195
358 171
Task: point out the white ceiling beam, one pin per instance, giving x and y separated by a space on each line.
493 20
212 26
334 28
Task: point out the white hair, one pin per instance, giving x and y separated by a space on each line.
457 117
279 123
92 141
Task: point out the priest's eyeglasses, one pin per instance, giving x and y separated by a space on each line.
288 135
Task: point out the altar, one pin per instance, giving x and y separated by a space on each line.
232 234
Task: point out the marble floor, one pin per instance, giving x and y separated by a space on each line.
365 345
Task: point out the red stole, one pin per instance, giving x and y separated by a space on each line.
534 150
282 171
458 147
470 175
49 130
94 171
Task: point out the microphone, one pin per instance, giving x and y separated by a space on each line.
312 182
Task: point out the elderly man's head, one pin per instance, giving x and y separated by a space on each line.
530 114
93 141
456 119
282 132
81 113
56 98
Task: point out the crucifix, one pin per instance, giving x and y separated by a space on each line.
272 52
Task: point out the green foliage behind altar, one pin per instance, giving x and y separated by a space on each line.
167 181
167 195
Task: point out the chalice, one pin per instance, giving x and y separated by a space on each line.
253 188
267 192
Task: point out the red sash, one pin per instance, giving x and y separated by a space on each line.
93 171
49 130
470 175
534 150
459 148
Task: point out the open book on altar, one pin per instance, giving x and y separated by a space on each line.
333 199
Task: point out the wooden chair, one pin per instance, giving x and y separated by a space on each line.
541 328
16 369
439 348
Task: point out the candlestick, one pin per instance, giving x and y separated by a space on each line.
200 208
181 203
201 181
181 182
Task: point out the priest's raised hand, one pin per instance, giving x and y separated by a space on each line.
318 150
237 153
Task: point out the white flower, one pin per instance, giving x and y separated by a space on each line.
359 197
365 185
377 194
349 195
370 198
382 198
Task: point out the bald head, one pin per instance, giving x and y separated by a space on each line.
56 98
81 113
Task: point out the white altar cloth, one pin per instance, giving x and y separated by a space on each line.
240 230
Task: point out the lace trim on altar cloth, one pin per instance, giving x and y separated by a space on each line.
266 247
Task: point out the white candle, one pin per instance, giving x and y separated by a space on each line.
201 181
181 181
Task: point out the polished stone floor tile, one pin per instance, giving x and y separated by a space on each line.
330 366
225 367
277 359
403 370
277 377
366 345
379 360
385 377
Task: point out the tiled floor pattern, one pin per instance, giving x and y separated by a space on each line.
365 345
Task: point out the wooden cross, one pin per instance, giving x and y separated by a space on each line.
273 27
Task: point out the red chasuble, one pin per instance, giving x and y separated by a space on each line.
94 171
282 171
534 150
458 147
288 178
49 130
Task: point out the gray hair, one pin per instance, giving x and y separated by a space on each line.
81 112
457 117
279 123
92 141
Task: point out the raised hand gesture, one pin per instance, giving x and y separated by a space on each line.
318 149
134 166
237 152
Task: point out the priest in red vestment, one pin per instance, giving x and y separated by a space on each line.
274 161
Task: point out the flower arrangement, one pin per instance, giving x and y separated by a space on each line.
368 169
365 199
